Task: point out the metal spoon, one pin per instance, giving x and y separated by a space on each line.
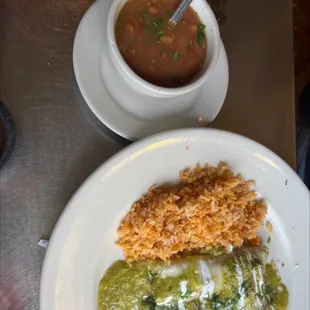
179 12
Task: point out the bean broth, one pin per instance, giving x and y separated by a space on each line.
160 54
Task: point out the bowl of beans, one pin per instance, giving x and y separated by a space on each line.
156 59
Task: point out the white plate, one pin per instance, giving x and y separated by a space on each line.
82 245
124 111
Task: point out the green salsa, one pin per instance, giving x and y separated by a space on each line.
238 280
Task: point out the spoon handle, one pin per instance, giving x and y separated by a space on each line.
179 12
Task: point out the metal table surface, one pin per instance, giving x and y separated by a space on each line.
59 141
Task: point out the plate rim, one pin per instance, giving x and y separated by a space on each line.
125 152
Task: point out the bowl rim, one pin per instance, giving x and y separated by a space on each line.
121 64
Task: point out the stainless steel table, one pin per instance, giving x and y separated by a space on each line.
60 142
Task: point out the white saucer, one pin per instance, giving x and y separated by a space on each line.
129 114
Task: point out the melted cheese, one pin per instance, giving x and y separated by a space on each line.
173 270
208 284
239 276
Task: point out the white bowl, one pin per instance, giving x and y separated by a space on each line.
139 84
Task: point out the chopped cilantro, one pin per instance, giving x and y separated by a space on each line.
152 275
245 285
158 4
217 303
282 264
157 22
155 26
269 239
169 12
201 34
267 289
175 55
159 33
185 295
286 181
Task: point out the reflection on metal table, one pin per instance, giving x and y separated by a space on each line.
59 142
